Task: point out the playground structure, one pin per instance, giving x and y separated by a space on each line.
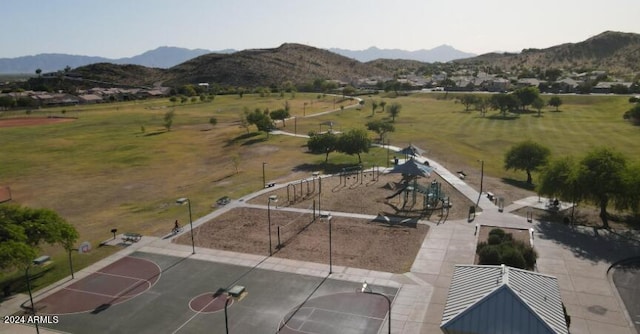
354 176
351 177
433 198
296 190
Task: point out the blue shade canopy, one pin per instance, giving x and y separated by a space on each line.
413 168
412 150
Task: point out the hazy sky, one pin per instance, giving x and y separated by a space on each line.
124 28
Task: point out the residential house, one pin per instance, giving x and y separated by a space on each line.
498 85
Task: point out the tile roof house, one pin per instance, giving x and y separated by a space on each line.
501 300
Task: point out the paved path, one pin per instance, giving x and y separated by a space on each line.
578 257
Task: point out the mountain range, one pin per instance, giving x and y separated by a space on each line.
611 51
442 53
162 57
166 57
615 52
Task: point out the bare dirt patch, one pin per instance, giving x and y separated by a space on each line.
30 121
358 243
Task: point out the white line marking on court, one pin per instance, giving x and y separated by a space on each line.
195 315
91 293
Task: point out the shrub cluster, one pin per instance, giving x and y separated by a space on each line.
501 248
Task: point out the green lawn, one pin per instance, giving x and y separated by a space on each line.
101 171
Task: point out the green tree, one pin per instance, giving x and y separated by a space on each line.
602 178
244 119
504 103
213 121
381 128
187 90
23 230
527 156
38 72
394 111
633 114
374 106
168 119
260 119
383 104
354 141
555 101
348 91
7 101
281 115
538 104
629 198
481 104
324 143
527 95
552 74
467 100
559 178
67 237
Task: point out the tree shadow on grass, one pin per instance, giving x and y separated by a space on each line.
326 168
240 138
254 141
499 117
519 184
16 282
155 133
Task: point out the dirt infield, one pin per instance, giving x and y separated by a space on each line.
358 243
30 121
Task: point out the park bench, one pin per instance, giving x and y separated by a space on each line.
131 237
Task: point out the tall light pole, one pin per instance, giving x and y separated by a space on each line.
272 198
328 218
33 308
481 179
37 261
226 318
264 181
181 201
367 289
319 195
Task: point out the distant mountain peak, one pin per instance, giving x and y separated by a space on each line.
442 53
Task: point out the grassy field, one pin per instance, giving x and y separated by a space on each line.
102 171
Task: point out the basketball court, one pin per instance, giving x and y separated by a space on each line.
152 293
